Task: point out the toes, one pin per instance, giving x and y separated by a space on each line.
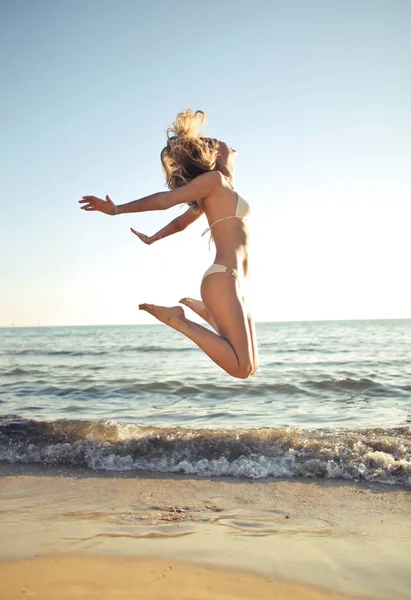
145 306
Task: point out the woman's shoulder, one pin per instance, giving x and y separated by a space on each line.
212 177
218 179
201 187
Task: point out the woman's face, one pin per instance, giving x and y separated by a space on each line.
226 154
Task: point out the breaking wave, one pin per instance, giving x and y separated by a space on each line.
372 455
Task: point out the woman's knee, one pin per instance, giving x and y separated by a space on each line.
244 371
247 368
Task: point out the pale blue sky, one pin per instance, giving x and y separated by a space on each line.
314 95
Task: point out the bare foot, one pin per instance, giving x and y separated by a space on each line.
163 313
197 306
200 309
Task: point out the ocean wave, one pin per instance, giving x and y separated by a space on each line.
39 352
97 352
90 387
18 371
155 349
365 386
381 455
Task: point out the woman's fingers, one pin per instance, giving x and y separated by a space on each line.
143 237
89 202
93 200
94 203
88 206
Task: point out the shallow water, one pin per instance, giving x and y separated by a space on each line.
332 398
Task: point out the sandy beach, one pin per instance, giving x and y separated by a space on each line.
158 579
86 534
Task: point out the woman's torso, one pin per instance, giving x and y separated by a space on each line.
227 211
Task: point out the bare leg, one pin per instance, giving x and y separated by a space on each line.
221 295
253 335
200 309
232 350
215 346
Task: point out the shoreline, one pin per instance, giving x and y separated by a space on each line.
334 535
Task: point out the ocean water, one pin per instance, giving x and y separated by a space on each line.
331 399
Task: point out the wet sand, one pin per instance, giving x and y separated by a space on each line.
85 534
110 578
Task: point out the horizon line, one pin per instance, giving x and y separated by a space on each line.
331 320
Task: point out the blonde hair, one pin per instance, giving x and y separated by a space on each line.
187 154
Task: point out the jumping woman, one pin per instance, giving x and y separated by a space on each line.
199 173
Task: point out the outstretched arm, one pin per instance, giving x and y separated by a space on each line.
178 224
198 188
153 202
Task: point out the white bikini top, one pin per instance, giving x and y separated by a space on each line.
241 212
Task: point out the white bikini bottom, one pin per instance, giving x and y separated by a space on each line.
215 268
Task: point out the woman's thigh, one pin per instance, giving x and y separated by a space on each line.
221 295
253 335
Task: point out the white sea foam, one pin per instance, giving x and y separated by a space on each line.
369 455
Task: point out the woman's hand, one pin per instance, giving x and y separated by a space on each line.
106 206
143 237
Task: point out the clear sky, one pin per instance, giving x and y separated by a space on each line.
314 94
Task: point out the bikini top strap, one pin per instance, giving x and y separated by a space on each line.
218 221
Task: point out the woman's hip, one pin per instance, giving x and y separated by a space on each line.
217 268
